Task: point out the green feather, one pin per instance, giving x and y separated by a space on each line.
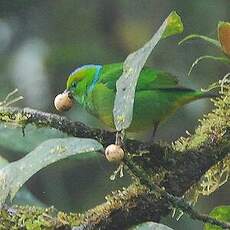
157 96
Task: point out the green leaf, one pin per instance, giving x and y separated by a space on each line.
24 196
150 226
126 84
220 213
202 37
15 174
11 137
174 25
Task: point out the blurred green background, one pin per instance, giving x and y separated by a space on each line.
41 42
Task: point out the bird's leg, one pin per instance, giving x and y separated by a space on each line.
154 131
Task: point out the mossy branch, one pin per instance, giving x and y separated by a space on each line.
176 202
176 168
25 116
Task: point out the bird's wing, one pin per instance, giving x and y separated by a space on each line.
155 79
149 78
110 74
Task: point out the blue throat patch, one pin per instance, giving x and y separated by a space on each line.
95 79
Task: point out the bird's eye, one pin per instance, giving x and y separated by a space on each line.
74 84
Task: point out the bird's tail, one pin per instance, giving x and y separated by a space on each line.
209 94
195 94
192 95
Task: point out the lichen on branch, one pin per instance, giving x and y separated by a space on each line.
181 167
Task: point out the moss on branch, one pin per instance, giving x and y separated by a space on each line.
180 168
30 218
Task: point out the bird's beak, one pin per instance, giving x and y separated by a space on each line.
69 93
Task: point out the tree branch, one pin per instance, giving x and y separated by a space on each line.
179 166
176 202
42 119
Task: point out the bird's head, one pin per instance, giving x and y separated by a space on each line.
81 80
79 84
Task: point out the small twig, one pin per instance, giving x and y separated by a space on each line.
5 102
10 94
224 81
177 202
14 100
222 59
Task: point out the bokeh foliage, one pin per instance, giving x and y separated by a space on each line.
41 42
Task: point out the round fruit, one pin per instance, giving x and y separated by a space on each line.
114 153
63 102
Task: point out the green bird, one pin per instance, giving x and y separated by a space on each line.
157 94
